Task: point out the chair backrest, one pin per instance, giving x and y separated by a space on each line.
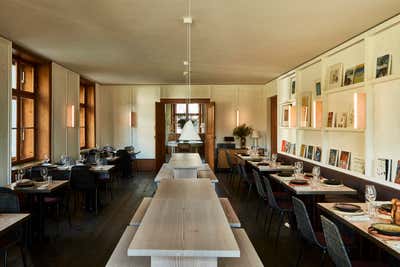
303 222
34 173
9 202
228 158
259 186
336 249
270 195
243 173
82 178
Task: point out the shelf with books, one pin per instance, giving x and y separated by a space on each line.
309 129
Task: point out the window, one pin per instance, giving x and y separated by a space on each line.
86 116
23 105
182 112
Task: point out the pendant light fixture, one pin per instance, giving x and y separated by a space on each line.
188 131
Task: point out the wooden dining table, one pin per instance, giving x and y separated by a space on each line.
40 189
185 165
185 225
361 223
9 221
262 165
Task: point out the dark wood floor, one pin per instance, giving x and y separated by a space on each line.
92 238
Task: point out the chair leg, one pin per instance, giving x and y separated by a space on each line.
270 221
96 200
323 258
5 258
281 217
301 251
23 255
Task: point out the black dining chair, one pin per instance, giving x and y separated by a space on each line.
262 195
337 250
84 181
125 163
9 203
231 167
284 209
306 230
245 177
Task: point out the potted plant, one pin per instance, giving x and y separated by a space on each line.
241 132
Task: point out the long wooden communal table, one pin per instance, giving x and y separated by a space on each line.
361 224
185 225
185 165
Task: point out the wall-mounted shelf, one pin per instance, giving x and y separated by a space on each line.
336 129
345 88
385 79
309 129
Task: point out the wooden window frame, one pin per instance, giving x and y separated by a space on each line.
89 89
187 114
85 107
19 94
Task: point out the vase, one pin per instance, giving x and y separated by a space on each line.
243 142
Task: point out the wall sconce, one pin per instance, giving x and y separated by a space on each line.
133 119
70 116
237 117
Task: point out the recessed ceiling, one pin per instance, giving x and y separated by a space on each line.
143 42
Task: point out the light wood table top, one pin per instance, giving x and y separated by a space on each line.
167 172
102 169
185 218
361 223
277 167
8 220
40 187
320 189
185 161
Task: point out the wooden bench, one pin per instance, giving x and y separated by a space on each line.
248 255
141 210
120 258
230 213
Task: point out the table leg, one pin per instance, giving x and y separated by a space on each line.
41 216
183 261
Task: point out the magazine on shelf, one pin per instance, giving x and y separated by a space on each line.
384 169
344 160
303 150
383 66
317 153
348 77
397 179
333 157
357 164
358 74
283 145
310 152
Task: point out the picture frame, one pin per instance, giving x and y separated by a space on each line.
305 108
292 87
359 73
333 157
310 152
285 115
317 154
318 89
397 178
303 150
344 160
357 164
335 73
348 76
383 66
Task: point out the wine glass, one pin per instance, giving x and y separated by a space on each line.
274 157
46 159
43 173
21 173
316 171
370 197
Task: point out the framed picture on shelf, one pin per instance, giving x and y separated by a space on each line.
285 115
397 178
292 149
287 147
342 123
333 157
348 77
335 73
318 90
344 160
310 152
357 164
384 169
359 73
317 154
303 150
305 110
292 82
383 66
331 120
283 145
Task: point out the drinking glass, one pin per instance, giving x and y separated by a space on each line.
43 173
50 179
63 159
274 157
316 171
370 197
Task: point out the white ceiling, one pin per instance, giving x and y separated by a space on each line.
143 41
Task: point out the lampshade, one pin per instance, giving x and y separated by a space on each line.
189 133
255 134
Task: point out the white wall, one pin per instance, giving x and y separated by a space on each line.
5 119
114 104
65 91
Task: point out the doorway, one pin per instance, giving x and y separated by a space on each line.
274 124
171 115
